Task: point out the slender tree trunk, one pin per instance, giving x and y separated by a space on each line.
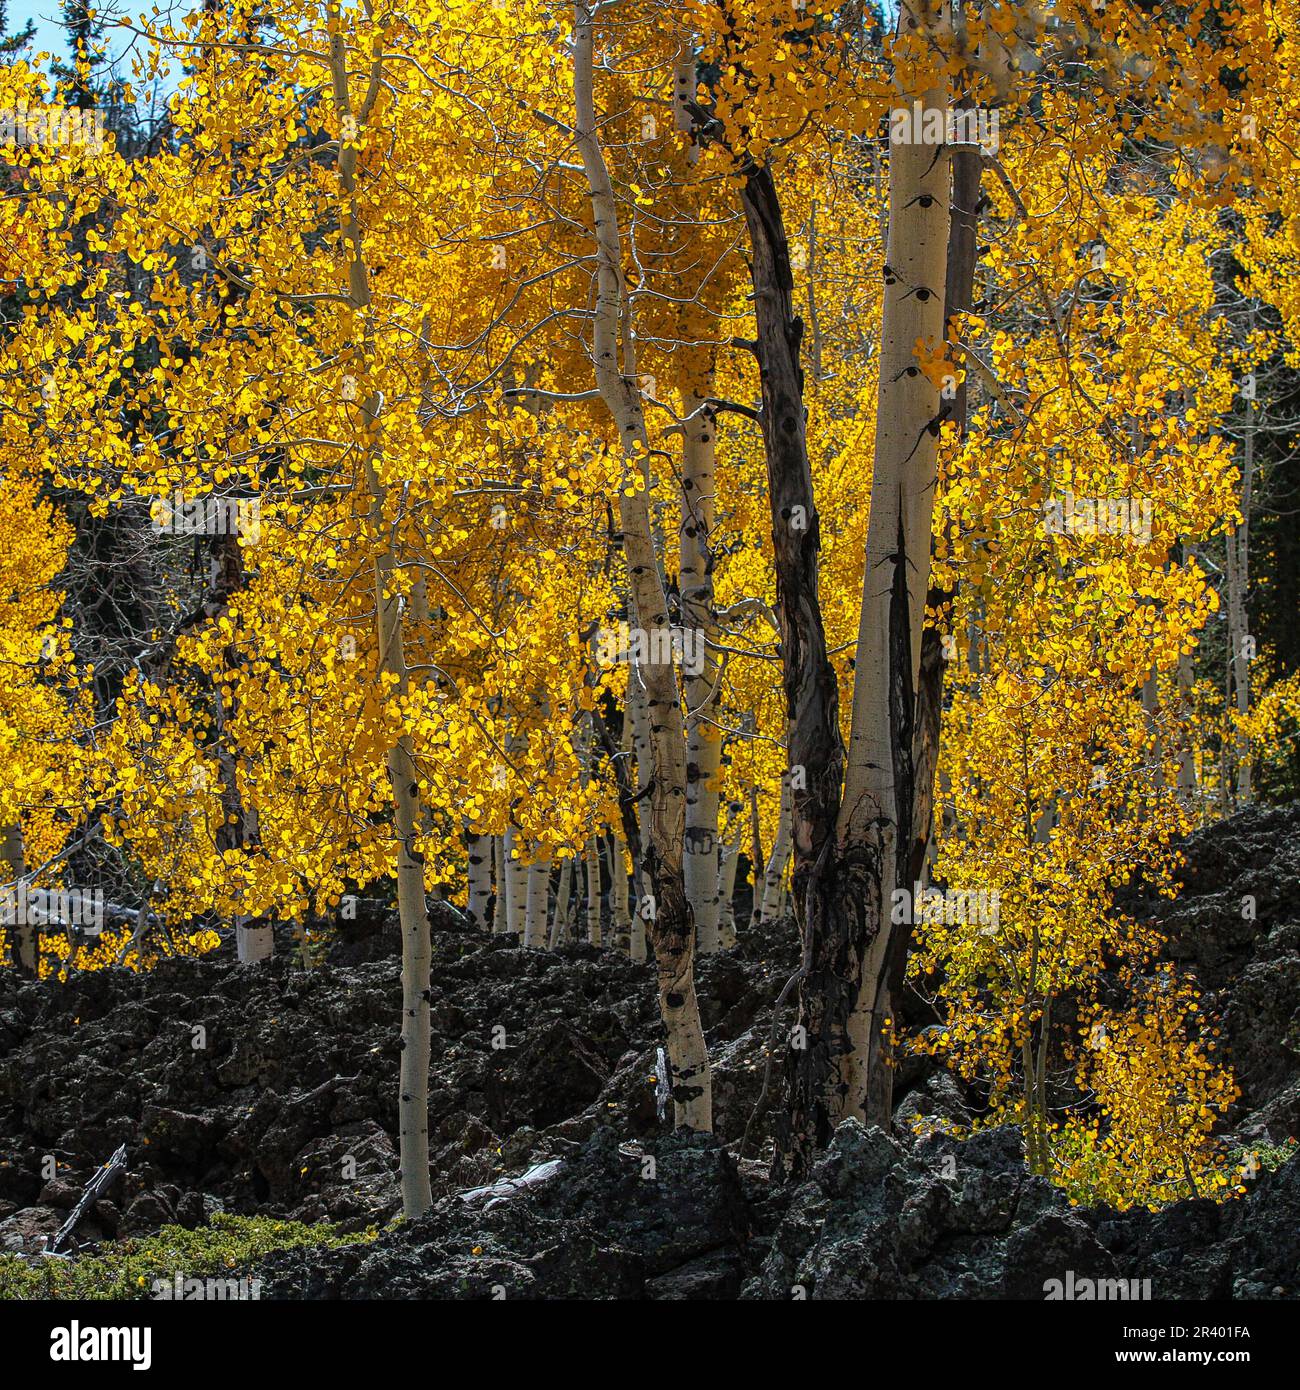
639 720
703 747
1238 565
959 281
729 858
479 851
593 890
413 1100
623 855
639 949
254 938
631 742
1225 773
413 1104
644 776
563 890
879 790
500 892
536 904
413 1107
516 886
672 925
591 850
698 517
756 858
774 874
24 936
1187 752
618 896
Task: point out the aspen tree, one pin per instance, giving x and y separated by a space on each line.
563 892
936 637
729 859
878 787
499 885
670 919
619 896
778 860
703 750
536 916
593 890
24 937
516 885
1237 546
479 851
413 1107
837 886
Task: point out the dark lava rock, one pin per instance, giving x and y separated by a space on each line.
675 1219
965 1220
1236 924
665 1221
273 1090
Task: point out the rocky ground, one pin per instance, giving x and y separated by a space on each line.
272 1090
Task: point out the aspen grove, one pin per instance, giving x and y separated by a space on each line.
626 476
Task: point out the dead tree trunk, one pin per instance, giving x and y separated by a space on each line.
833 893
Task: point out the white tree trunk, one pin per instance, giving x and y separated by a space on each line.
479 851
729 858
413 1102
703 746
254 940
636 714
637 949
536 904
413 1094
898 550
672 924
516 886
24 937
778 859
618 894
593 891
